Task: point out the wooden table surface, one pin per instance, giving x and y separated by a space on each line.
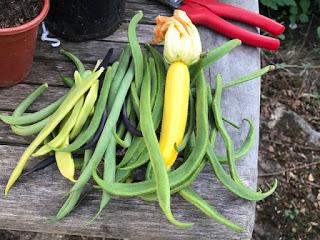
35 199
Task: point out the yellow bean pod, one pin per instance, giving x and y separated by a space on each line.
65 162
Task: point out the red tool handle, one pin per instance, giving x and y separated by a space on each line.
242 15
203 16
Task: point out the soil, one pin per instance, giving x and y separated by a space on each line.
287 151
17 12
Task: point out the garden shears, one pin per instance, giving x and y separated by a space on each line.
211 13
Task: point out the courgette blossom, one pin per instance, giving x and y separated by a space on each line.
181 38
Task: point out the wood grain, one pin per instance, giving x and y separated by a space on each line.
35 199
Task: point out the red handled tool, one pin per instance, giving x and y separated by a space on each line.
210 13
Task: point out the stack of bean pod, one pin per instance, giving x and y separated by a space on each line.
117 128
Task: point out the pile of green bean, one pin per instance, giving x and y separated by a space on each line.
136 87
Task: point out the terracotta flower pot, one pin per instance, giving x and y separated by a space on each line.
17 46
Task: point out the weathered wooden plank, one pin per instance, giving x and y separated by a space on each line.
150 10
122 218
144 33
11 97
50 71
8 137
87 51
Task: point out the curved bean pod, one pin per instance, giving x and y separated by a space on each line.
136 49
238 189
213 56
249 77
245 146
85 110
30 129
124 61
141 160
79 65
106 134
74 196
100 108
71 99
180 175
151 141
108 174
192 197
216 108
32 117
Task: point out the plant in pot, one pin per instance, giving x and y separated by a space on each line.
80 20
19 23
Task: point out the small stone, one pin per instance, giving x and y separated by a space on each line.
271 149
310 177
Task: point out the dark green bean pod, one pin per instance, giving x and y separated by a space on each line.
151 141
192 197
231 185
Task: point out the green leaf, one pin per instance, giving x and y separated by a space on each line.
303 18
305 5
318 32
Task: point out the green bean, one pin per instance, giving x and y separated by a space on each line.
149 171
122 143
249 77
71 99
214 55
154 81
95 121
134 98
230 123
138 146
180 175
68 81
238 189
87 155
30 129
161 76
210 113
245 146
186 183
78 163
106 133
88 105
122 175
141 160
133 151
25 104
216 108
75 195
151 141
75 60
64 132
32 117
192 197
136 49
119 74
108 174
